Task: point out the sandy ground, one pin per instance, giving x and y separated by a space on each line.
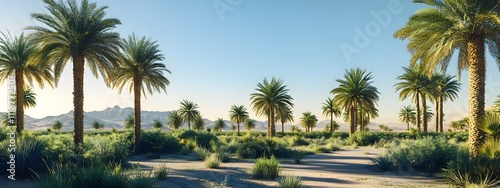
344 168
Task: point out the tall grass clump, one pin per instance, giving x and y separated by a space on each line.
162 172
213 161
290 181
383 162
140 179
106 149
265 168
158 142
202 153
29 155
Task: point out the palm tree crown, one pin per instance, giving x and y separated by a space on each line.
238 114
308 121
407 114
219 125
435 33
189 111
284 115
249 124
82 34
355 90
270 96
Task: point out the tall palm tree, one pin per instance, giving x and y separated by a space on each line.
249 124
198 123
308 121
219 125
407 114
139 69
412 85
435 33
83 35
238 114
330 110
270 96
284 115
174 120
355 89
447 88
189 111
129 122
17 58
57 125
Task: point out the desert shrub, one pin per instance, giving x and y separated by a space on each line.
481 171
185 134
58 176
202 153
206 140
162 172
248 151
115 177
383 161
91 175
290 181
259 147
297 141
297 156
29 155
426 154
212 161
265 168
364 138
106 149
160 142
320 149
59 148
224 156
189 144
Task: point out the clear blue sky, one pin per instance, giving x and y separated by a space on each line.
217 59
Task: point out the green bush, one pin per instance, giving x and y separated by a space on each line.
265 168
364 138
224 156
59 176
290 181
29 155
297 141
383 162
426 154
59 148
106 149
205 140
159 142
212 161
141 179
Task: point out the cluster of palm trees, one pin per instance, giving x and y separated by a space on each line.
82 34
420 87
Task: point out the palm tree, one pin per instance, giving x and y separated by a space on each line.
139 69
189 111
447 88
284 115
17 58
355 90
129 122
157 124
57 125
198 123
83 35
238 114
330 110
435 33
412 84
428 114
460 124
219 125
29 98
270 96
174 120
249 124
308 121
96 125
407 115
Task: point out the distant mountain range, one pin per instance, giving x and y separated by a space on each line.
115 116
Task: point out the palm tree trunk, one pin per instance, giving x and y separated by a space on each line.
331 122
78 76
418 112
238 122
137 114
424 113
408 126
273 128
19 100
437 115
477 71
282 127
353 118
269 124
441 114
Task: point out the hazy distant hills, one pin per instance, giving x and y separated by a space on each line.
114 117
